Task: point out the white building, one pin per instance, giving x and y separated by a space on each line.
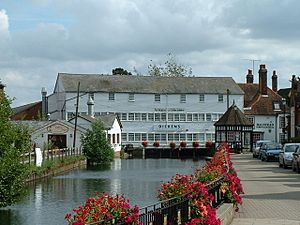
59 133
112 127
150 108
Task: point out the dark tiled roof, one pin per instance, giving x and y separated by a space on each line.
233 117
256 104
24 107
147 84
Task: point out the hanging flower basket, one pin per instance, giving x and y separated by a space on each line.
183 144
196 144
145 144
156 144
172 145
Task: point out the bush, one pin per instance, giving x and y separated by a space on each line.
95 145
156 144
172 145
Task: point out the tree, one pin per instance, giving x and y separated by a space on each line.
120 71
95 145
14 140
170 69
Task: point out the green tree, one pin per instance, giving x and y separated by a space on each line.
120 71
14 140
95 145
171 68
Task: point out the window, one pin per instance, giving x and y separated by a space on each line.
163 117
144 136
171 117
189 137
220 98
151 137
163 137
208 116
131 137
137 116
131 116
118 138
176 117
189 117
124 136
157 137
114 138
201 98
124 116
201 117
137 137
276 106
195 117
131 97
281 122
201 137
182 117
182 137
251 119
150 116
144 116
157 117
157 97
182 98
214 117
111 96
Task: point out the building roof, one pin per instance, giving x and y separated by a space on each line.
24 107
233 117
257 104
107 120
35 125
146 84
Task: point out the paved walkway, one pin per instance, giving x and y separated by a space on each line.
272 194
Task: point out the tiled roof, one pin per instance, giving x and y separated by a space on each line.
147 84
24 107
233 117
257 104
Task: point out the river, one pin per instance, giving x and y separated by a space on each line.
47 201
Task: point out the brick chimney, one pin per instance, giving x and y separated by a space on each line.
274 81
249 77
263 88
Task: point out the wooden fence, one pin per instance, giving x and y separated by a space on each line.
50 154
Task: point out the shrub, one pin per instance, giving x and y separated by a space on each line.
196 144
95 145
145 144
183 144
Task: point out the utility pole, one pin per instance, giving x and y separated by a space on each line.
76 115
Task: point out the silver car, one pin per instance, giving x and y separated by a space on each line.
286 154
256 150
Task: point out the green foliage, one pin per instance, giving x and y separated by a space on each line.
14 140
170 68
95 145
120 71
295 139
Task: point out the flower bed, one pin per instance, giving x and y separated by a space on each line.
194 187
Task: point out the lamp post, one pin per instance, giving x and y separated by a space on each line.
284 125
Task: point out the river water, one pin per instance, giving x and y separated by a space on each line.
48 201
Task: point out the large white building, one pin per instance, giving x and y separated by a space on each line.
150 108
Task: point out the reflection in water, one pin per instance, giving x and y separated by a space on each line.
48 201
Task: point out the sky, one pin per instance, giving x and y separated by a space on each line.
41 38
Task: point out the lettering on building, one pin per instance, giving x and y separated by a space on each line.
168 127
168 109
265 125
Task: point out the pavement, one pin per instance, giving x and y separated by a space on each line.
272 194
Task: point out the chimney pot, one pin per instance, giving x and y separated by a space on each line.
263 88
274 81
249 77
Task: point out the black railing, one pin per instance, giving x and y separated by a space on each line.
173 211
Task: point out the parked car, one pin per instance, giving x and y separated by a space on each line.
296 160
257 147
270 151
286 154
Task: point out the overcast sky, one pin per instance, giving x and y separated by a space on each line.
40 38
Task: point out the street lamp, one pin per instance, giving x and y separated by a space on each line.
284 126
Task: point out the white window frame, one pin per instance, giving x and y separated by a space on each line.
157 97
201 98
111 96
131 97
183 98
220 98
